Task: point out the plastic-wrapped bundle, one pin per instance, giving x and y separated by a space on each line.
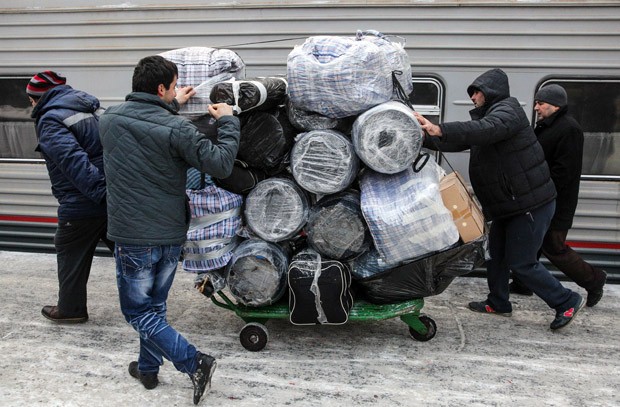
396 55
266 140
338 76
368 264
305 121
405 213
212 234
336 227
255 93
324 161
257 273
387 138
424 277
276 209
202 68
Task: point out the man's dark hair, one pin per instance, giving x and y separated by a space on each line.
151 72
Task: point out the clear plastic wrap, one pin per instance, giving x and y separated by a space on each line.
424 277
203 67
338 76
368 265
257 273
395 54
405 213
336 228
276 209
387 138
319 289
324 161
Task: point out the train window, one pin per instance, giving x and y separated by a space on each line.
595 104
427 97
17 133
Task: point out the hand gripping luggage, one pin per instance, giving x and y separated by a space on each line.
320 290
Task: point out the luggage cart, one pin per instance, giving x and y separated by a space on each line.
254 335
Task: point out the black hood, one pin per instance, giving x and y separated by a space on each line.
493 83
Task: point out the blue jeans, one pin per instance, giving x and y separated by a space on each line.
513 245
144 275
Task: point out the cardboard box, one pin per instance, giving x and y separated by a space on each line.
465 211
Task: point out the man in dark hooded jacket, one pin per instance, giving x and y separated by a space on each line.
561 138
509 175
67 130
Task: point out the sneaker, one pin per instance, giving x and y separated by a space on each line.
201 378
52 313
485 308
148 380
566 317
595 294
517 287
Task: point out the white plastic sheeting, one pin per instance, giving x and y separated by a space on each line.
202 68
345 76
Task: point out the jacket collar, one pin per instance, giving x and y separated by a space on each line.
546 122
144 97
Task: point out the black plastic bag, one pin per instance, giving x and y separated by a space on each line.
425 277
266 140
247 94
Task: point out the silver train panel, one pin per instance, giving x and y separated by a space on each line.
97 43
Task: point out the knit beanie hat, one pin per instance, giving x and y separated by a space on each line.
44 81
553 94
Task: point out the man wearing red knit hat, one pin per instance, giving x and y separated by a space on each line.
67 126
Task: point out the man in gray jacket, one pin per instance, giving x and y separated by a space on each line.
147 150
511 179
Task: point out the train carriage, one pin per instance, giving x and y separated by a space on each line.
96 44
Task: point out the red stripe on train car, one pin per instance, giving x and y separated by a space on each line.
595 245
35 219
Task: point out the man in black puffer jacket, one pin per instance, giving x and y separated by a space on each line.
511 179
67 130
147 150
561 138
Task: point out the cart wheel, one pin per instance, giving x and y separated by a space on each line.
254 336
430 325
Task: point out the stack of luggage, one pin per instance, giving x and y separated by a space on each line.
330 198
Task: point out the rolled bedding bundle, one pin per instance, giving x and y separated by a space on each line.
304 120
324 161
276 209
266 140
257 273
255 93
387 138
336 228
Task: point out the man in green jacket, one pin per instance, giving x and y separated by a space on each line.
147 150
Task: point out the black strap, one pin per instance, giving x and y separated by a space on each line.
202 180
400 92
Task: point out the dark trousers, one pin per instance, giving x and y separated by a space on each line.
75 243
514 245
555 249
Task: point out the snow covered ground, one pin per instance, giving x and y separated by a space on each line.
474 359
